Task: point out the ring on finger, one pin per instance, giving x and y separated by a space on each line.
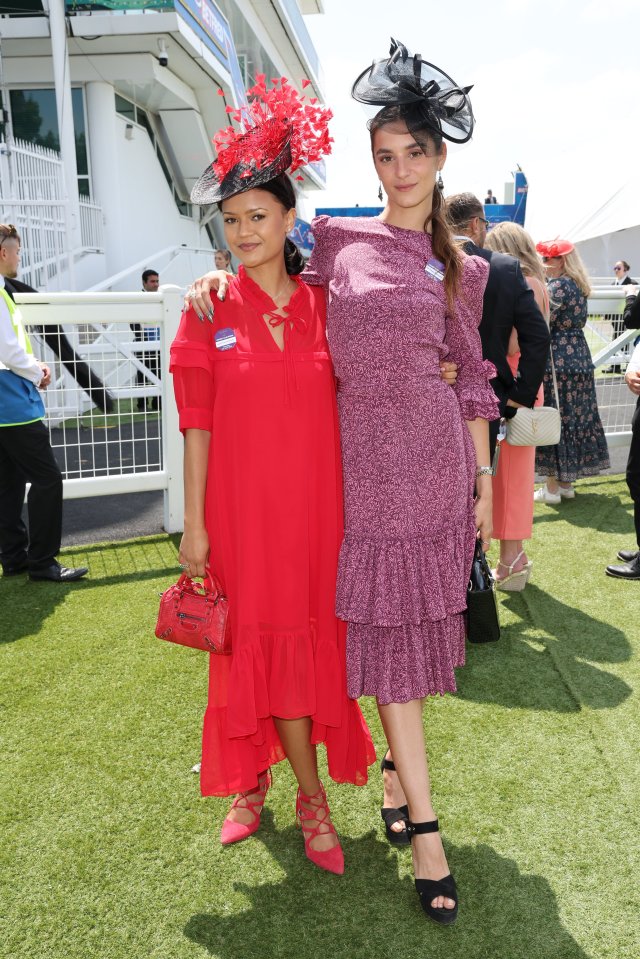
192 294
184 566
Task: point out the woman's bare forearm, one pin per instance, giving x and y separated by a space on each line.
196 458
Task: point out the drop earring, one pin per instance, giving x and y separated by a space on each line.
439 182
380 196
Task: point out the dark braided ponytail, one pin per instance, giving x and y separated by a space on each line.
293 259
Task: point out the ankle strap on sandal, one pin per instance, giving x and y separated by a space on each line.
387 764
417 828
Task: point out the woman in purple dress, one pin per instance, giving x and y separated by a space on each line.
402 298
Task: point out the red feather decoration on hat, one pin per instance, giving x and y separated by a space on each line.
275 118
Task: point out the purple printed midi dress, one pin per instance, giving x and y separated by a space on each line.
409 462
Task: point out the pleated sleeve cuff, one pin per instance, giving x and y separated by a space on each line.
475 395
190 356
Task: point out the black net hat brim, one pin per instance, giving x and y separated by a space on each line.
247 174
424 92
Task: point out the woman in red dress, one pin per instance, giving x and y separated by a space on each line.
263 509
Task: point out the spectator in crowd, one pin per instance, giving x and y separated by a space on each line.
621 278
513 483
58 343
144 333
631 557
621 274
582 450
222 259
508 304
25 449
490 197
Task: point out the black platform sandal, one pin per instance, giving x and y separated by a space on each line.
429 889
391 815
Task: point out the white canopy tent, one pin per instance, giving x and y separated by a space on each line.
611 232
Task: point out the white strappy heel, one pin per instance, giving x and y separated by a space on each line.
513 582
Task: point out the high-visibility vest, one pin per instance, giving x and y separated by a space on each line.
20 401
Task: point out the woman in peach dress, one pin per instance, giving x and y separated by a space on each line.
514 480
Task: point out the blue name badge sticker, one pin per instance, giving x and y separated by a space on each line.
225 339
435 269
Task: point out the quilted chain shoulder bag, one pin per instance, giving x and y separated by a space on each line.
540 426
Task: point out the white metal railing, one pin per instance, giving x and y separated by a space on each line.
38 172
124 449
32 197
175 264
129 449
610 346
43 232
91 225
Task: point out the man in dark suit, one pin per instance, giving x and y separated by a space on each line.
630 568
508 304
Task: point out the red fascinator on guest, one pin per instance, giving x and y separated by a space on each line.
277 132
551 248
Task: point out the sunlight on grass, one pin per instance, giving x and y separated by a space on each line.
109 851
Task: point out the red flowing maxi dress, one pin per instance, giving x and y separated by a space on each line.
274 516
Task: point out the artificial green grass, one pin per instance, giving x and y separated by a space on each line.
108 850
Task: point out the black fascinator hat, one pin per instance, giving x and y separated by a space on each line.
426 94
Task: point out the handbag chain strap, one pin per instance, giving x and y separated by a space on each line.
553 374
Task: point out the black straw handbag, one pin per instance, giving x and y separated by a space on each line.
482 606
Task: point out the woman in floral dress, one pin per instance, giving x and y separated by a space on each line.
582 450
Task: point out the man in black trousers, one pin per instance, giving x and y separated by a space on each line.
630 568
508 304
25 450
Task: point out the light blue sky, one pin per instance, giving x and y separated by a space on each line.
556 89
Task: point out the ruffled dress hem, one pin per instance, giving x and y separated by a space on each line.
288 675
402 664
395 582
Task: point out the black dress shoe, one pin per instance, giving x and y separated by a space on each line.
627 555
14 570
628 571
59 574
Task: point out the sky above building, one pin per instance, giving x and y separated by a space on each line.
555 90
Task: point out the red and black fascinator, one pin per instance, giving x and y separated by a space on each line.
277 132
426 94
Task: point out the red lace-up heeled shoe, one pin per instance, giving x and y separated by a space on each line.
311 809
233 831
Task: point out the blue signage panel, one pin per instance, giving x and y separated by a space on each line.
510 212
349 210
207 21
302 236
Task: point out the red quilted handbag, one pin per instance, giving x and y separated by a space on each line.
196 615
